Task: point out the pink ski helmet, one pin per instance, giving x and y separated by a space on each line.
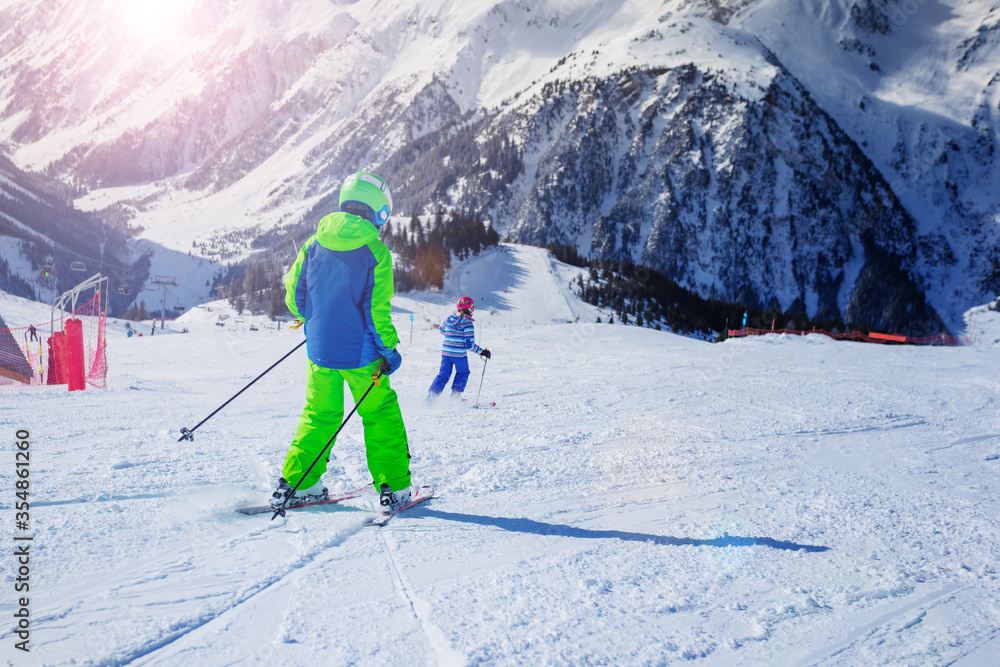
466 303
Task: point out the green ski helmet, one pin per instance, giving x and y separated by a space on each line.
372 192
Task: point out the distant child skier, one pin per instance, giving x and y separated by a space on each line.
459 336
340 286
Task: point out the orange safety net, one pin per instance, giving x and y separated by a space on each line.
41 354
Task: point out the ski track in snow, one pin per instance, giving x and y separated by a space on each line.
446 655
636 498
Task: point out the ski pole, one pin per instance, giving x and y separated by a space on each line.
27 350
188 434
481 382
383 367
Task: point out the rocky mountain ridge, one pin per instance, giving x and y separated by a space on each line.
704 138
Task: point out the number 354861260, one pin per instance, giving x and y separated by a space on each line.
22 472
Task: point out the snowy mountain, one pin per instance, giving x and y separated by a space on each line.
917 86
48 246
635 498
836 158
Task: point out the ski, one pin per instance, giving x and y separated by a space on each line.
335 498
382 518
491 404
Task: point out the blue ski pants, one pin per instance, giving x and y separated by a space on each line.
461 365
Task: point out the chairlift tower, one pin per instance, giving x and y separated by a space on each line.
164 281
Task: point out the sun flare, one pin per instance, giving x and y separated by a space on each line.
144 18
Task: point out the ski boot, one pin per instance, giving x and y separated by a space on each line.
390 501
314 494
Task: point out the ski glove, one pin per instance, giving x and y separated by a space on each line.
486 353
393 359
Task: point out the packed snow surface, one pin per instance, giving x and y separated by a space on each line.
635 497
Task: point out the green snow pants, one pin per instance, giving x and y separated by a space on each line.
385 435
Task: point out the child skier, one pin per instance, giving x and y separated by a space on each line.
459 333
340 286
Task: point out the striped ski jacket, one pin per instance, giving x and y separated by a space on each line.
340 286
459 336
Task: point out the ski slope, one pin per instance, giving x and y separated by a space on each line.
636 498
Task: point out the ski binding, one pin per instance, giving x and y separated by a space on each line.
382 518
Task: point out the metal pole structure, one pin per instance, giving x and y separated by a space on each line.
69 298
164 281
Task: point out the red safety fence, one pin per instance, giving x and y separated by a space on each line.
871 337
70 351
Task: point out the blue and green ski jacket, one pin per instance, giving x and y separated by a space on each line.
341 286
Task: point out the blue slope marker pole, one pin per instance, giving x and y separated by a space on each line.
411 328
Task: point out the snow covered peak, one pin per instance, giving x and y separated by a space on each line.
218 118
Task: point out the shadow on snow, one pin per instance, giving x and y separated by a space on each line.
551 529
